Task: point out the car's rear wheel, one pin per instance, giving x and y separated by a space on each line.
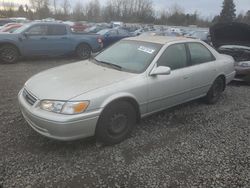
83 51
116 123
215 91
9 53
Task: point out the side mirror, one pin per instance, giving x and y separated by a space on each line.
161 70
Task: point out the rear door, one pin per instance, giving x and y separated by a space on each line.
60 42
203 69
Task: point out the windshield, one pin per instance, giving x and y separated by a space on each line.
131 56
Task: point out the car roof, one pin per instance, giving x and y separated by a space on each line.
161 39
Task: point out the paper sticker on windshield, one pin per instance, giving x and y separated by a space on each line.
145 49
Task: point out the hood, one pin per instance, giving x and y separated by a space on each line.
69 81
6 36
230 34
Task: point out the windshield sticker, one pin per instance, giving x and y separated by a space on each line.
145 49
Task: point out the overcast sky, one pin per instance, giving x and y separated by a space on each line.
206 8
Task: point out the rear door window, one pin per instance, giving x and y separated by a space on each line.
199 54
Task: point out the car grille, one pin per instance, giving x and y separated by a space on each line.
29 98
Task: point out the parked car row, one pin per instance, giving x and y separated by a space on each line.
82 39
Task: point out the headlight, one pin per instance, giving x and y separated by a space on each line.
64 107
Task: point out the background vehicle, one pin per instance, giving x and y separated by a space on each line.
95 29
10 28
140 31
234 39
5 21
78 27
202 35
107 95
47 39
111 36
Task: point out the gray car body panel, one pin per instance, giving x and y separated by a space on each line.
101 86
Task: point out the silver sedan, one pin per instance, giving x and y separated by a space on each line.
108 94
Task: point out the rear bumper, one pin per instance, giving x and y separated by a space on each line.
230 77
67 128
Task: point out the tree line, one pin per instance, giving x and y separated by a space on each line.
134 11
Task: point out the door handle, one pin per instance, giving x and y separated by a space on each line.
64 38
43 38
185 77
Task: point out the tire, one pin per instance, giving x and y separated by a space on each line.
9 53
83 51
116 123
215 91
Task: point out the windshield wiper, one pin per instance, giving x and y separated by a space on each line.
117 67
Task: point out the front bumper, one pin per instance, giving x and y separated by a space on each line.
59 126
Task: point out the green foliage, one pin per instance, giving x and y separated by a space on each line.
228 12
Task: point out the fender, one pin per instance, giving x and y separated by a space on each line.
118 96
124 96
14 42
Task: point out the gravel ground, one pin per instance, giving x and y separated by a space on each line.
192 145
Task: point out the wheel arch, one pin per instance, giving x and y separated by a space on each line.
223 78
12 44
128 98
84 42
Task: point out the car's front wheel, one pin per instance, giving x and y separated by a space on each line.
215 91
116 123
9 54
83 51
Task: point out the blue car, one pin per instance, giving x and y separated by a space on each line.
110 36
47 39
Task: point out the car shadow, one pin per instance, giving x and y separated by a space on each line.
239 83
45 58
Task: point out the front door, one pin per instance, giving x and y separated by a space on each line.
168 90
36 41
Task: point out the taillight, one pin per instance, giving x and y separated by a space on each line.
99 40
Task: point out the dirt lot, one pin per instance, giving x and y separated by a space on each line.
192 145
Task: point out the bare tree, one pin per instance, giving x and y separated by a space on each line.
37 4
93 10
66 7
78 11
131 10
41 7
55 6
